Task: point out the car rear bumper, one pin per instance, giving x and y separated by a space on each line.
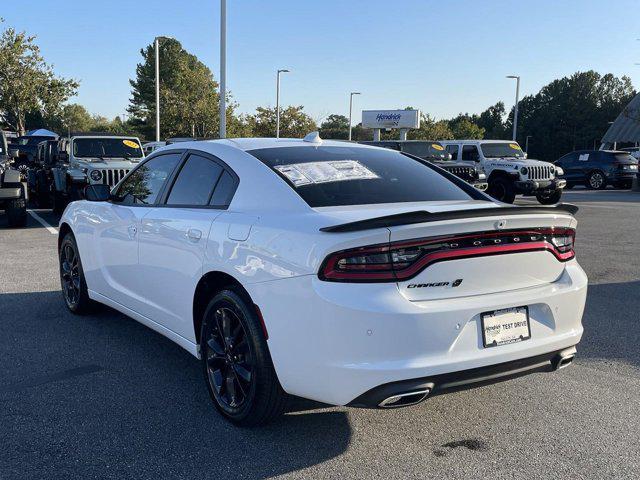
334 342
395 394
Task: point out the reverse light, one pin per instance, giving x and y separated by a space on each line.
399 261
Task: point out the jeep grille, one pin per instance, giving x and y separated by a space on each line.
541 172
466 173
111 177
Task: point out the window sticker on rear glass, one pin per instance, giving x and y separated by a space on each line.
323 172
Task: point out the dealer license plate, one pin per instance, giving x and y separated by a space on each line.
502 327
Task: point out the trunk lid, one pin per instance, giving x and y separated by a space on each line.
496 264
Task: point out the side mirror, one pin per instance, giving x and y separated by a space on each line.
97 193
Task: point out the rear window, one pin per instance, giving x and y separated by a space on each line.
334 176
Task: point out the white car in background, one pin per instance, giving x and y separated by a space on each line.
343 273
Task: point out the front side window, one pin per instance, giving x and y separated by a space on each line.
143 185
195 182
333 176
470 152
453 150
502 150
107 148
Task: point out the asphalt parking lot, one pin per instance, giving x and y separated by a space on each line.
105 397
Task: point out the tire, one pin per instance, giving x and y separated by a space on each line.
502 189
596 180
551 198
236 362
72 281
22 166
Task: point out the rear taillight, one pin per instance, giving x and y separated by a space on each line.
404 260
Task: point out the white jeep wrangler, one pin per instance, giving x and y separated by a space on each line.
508 170
89 159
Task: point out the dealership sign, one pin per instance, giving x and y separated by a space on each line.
391 118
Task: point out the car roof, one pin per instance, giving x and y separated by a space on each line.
247 144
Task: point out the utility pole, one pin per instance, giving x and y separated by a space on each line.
350 110
278 100
515 111
223 68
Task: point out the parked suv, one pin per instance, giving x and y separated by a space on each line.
598 168
508 170
24 150
12 197
435 153
89 159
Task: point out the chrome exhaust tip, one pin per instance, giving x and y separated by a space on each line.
405 399
564 359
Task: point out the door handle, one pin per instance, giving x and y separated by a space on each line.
194 234
133 230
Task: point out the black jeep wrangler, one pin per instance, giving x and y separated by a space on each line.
12 197
435 153
40 178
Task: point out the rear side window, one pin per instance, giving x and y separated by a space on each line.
224 191
332 176
195 182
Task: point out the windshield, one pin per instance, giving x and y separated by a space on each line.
335 176
107 148
426 150
500 150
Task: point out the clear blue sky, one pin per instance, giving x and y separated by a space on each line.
443 57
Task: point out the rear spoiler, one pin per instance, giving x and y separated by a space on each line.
422 216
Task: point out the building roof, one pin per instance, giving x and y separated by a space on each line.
626 128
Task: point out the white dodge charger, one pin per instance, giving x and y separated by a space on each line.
343 273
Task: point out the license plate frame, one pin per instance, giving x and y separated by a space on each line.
503 317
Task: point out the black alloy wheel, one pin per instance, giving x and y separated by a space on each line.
74 286
236 362
230 361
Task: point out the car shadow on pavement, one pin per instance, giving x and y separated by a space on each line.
610 321
103 396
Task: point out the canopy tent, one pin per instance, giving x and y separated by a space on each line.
626 128
42 132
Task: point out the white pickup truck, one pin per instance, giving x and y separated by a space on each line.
508 170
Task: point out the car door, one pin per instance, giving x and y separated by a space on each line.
568 163
117 226
173 240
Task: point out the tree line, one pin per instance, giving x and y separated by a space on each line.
567 114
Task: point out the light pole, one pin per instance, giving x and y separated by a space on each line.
157 47
278 100
515 112
350 110
223 69
526 144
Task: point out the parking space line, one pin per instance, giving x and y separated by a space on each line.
43 222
